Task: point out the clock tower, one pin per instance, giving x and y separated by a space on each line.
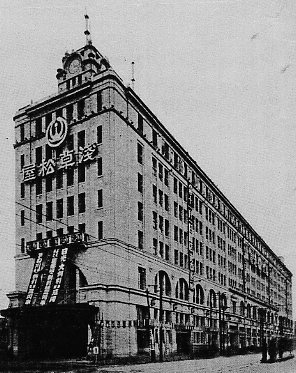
80 66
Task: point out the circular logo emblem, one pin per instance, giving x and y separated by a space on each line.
56 132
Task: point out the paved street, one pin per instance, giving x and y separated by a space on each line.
234 364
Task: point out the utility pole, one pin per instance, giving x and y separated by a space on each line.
150 330
220 323
160 317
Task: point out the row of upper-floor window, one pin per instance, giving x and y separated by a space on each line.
47 213
161 249
181 165
181 190
71 111
161 224
160 197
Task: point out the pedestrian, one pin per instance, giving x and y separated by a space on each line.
264 351
281 347
272 350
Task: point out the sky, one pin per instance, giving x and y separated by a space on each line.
219 74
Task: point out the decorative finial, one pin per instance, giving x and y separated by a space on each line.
87 32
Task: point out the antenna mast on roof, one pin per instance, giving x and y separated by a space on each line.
133 75
87 32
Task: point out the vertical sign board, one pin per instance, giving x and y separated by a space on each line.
51 272
34 278
190 245
59 276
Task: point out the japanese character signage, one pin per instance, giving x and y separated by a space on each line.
52 270
66 160
59 277
34 278
190 238
56 132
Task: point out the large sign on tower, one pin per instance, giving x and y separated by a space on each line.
56 132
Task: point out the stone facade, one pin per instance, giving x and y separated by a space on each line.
167 264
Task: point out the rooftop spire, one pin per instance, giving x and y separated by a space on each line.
87 32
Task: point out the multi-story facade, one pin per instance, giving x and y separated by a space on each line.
122 242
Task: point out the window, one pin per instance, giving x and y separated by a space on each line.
99 101
165 150
160 197
160 171
175 209
161 223
100 166
60 208
48 234
22 217
167 252
155 245
175 185
48 119
142 278
181 235
81 173
59 179
38 213
140 211
140 153
99 135
154 166
140 123
181 213
69 113
161 249
60 232
70 142
22 245
140 183
176 233
38 154
154 216
166 227
176 257
154 191
166 202
38 186
81 227
70 229
81 202
59 113
140 240
100 230
39 236
48 183
22 160
48 152
70 205
180 189
81 139
80 109
154 137
22 190
100 198
22 132
166 177
49 211
70 176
